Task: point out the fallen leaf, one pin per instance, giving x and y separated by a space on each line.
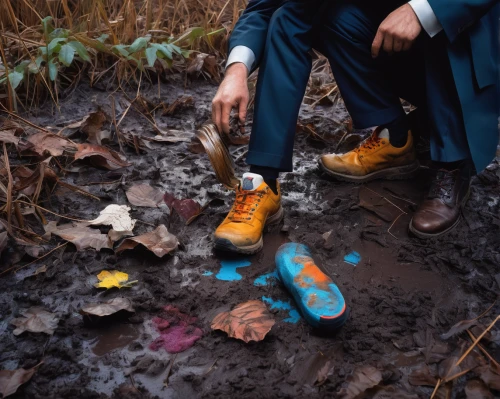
144 195
465 324
9 136
490 375
44 144
80 235
116 216
36 320
476 389
422 376
316 368
101 157
362 379
108 308
187 208
113 278
40 270
11 380
91 125
249 321
159 241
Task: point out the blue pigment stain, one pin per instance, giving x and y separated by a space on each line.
207 273
293 314
267 279
228 268
353 258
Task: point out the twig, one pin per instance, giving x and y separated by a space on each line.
36 260
485 352
165 381
436 388
53 213
390 227
390 202
23 120
9 190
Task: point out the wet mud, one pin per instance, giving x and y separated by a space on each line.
402 292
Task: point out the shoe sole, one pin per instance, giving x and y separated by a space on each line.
395 173
223 244
319 299
420 234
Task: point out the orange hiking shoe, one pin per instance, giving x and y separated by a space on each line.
375 158
255 206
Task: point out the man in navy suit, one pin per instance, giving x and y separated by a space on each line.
440 55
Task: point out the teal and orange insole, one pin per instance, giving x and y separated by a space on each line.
317 296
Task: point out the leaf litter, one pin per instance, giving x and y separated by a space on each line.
11 380
159 241
108 308
144 195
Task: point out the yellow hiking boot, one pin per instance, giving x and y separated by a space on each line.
375 158
255 206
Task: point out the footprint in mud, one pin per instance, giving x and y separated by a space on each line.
228 268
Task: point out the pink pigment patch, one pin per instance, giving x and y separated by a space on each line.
177 331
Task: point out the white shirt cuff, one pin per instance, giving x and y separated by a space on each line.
426 16
241 54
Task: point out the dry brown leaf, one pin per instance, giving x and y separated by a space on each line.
361 380
108 308
91 125
187 208
144 195
36 320
11 380
101 157
9 136
160 242
476 389
490 375
45 144
249 321
422 376
116 216
80 235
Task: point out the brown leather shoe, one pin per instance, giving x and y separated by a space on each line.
440 211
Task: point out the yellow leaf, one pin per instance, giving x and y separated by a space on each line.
113 278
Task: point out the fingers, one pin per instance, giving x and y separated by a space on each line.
377 43
407 45
388 44
398 45
226 113
242 113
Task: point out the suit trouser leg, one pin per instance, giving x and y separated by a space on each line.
283 77
372 88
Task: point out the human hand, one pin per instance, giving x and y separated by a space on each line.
397 32
232 93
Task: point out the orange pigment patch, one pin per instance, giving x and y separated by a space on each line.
311 272
312 300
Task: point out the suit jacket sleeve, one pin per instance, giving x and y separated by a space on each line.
457 15
251 29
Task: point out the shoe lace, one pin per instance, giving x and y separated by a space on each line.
442 185
245 205
371 142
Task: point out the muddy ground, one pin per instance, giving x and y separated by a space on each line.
403 294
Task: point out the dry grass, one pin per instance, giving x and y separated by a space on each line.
200 26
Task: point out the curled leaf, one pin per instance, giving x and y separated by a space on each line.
249 321
101 157
36 320
144 195
116 216
114 278
160 242
108 308
361 380
11 380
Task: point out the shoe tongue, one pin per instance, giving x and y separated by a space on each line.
251 181
384 134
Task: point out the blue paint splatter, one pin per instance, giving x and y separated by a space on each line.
293 314
267 279
207 273
353 258
228 268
